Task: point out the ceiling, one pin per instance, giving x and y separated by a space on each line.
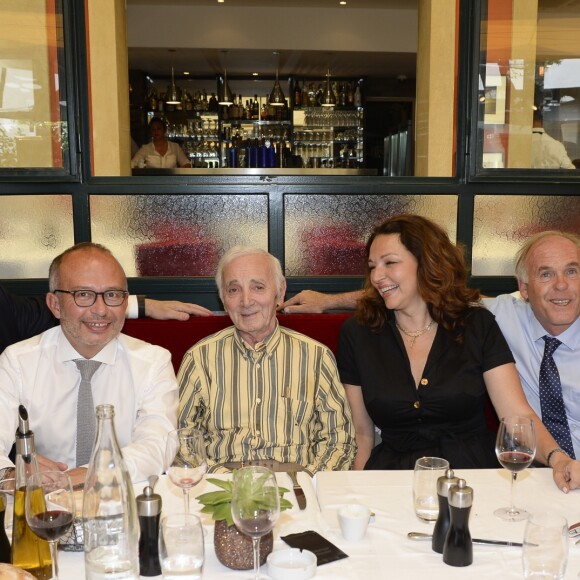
157 62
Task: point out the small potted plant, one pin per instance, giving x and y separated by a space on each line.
234 549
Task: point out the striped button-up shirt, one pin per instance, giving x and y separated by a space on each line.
281 400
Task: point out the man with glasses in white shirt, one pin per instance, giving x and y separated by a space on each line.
88 295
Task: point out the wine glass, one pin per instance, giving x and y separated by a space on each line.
255 505
186 459
50 508
515 448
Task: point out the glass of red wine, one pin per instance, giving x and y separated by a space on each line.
255 505
50 508
515 448
186 459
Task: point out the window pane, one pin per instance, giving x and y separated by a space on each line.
529 85
326 234
502 223
177 235
33 130
33 230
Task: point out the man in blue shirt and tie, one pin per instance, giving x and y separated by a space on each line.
548 272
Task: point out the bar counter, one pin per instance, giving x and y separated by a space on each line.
274 171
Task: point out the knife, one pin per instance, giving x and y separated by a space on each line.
298 491
422 536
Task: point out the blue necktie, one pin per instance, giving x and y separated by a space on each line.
551 401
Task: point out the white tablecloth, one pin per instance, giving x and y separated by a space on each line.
386 551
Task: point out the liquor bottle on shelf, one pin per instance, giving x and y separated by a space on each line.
357 96
342 98
251 157
255 108
232 155
153 100
233 110
319 95
350 95
297 95
187 101
29 552
213 105
311 95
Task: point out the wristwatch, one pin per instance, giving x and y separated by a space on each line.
555 450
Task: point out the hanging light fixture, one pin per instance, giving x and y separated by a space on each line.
328 98
277 98
225 96
174 97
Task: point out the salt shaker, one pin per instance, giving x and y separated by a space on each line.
458 548
444 484
149 512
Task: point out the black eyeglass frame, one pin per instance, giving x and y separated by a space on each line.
74 293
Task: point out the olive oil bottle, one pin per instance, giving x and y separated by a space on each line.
29 552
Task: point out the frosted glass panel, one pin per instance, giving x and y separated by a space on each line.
502 223
34 229
177 235
326 234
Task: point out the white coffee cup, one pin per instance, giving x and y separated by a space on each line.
354 519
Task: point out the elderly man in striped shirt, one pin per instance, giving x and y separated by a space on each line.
261 392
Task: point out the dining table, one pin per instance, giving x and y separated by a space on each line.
386 550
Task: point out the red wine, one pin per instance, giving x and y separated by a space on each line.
51 525
515 460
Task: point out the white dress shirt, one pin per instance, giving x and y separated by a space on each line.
524 335
136 377
174 156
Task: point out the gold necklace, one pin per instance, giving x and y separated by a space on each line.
415 334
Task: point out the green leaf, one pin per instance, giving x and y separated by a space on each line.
215 497
285 504
227 485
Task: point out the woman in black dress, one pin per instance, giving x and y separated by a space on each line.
421 355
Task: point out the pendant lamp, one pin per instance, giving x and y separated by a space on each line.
225 96
277 98
174 92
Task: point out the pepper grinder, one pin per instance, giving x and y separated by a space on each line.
444 484
458 548
149 512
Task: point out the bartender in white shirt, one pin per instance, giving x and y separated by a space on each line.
88 294
160 152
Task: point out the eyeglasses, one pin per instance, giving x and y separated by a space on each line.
85 298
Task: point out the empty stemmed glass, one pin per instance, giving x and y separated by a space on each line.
186 459
50 508
515 448
255 505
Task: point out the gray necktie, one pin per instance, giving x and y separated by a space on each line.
86 421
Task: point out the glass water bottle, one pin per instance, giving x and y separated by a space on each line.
110 524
